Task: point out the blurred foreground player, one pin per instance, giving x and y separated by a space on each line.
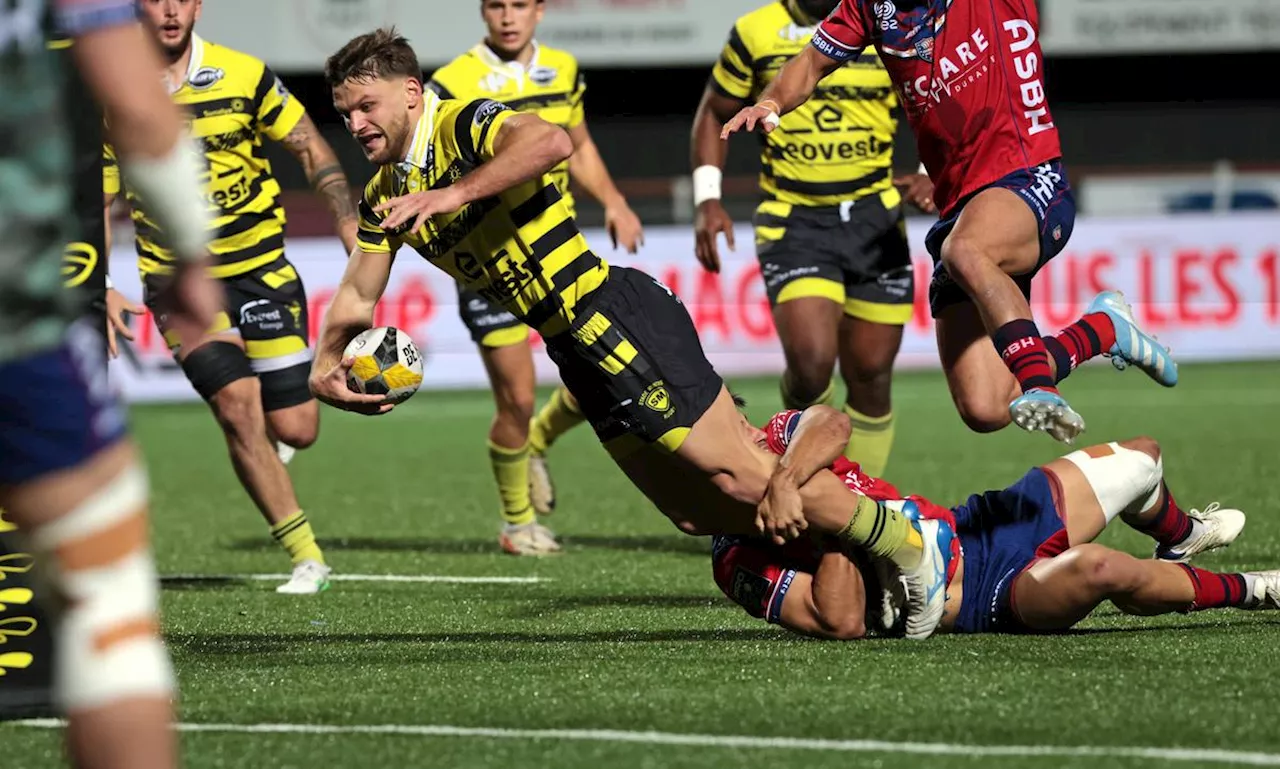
467 186
969 74
829 229
69 477
509 65
252 366
1026 561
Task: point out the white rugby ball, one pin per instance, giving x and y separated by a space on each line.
387 363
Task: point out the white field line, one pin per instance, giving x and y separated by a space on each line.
1236 757
359 578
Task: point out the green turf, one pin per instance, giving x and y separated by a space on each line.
630 633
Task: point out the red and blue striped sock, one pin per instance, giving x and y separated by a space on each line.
1024 352
1170 525
1216 591
1087 338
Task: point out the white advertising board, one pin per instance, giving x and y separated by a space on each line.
1107 27
1209 286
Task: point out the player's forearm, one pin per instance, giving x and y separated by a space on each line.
325 175
839 597
525 151
587 168
820 438
706 148
795 82
348 314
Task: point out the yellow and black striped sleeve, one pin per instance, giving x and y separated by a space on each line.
110 171
732 76
577 112
370 236
277 110
437 86
474 128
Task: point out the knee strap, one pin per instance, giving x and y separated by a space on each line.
215 365
1123 480
109 646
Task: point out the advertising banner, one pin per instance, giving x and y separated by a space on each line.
1161 27
1209 286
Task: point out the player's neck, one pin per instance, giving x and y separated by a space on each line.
175 70
523 57
415 117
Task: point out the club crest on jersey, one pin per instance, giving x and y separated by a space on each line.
886 13
543 76
281 91
795 33
493 82
205 77
656 398
924 49
486 111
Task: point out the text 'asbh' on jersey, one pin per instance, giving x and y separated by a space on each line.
838 146
233 100
519 249
551 87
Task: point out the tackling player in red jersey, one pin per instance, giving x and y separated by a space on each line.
1023 558
969 72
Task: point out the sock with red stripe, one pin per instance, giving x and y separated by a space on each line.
1216 591
1024 352
1169 526
1087 338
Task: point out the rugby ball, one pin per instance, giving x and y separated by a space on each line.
387 362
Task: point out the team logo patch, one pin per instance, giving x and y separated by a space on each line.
487 111
656 398
205 77
749 589
281 91
1057 233
924 49
543 75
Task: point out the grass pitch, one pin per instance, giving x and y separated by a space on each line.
627 632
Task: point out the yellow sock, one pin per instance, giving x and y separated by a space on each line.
5 525
790 401
559 416
511 471
871 441
884 532
295 536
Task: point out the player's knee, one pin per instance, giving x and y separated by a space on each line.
300 429
1103 570
982 413
109 646
963 257
238 408
1144 445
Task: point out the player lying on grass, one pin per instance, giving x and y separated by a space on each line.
1024 559
467 186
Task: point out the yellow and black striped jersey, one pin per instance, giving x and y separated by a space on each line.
551 87
838 146
520 249
233 100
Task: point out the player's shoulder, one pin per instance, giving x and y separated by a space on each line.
461 75
230 60
760 28
557 59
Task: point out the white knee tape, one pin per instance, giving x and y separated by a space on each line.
108 644
1123 480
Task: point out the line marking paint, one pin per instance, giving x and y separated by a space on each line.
357 578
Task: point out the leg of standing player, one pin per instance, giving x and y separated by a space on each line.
223 373
1126 480
504 348
558 416
879 296
74 484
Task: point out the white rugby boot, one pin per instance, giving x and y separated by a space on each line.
1216 527
528 539
1039 410
542 491
285 452
927 582
309 577
1266 590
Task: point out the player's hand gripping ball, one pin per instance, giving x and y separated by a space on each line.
387 362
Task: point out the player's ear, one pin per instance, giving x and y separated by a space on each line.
412 91
199 7
539 8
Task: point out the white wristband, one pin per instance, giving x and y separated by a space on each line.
107 278
706 184
172 193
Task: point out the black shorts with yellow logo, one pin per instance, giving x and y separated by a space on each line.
490 325
634 362
267 309
855 254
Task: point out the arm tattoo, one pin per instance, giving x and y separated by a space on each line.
332 183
